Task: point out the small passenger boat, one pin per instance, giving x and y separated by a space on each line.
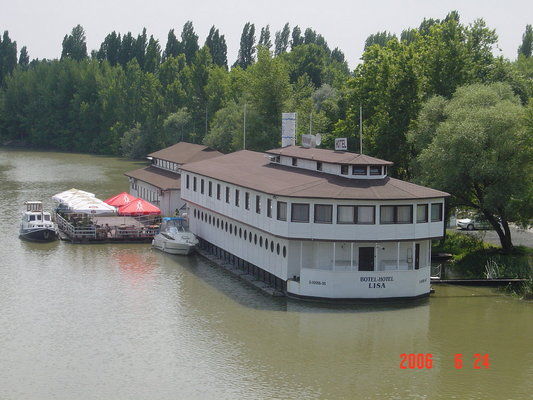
36 224
174 237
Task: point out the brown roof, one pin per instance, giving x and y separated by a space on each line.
184 152
331 156
254 171
157 177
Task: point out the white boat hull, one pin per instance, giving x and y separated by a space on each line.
173 247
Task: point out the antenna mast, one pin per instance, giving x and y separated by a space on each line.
244 128
360 128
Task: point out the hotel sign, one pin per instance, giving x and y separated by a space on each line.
341 144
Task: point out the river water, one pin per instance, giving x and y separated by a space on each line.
126 322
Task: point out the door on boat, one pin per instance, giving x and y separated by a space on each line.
417 256
366 258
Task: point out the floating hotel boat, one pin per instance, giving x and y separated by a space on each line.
315 223
36 224
174 238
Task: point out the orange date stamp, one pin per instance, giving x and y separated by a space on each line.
425 361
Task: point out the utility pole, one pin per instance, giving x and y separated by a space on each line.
360 129
244 128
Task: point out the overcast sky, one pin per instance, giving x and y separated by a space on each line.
41 24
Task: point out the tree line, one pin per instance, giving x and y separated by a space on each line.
132 96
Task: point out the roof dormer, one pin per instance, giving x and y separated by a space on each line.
341 163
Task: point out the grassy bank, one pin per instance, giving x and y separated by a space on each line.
473 258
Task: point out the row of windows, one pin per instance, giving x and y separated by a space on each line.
165 164
345 169
323 213
241 233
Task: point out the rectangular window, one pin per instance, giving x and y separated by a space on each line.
258 204
282 211
345 214
344 169
194 183
202 186
323 213
247 200
237 197
187 181
299 212
404 214
387 214
210 189
294 161
318 166
218 191
269 208
421 213
227 194
366 215
436 212
375 170
359 170
396 214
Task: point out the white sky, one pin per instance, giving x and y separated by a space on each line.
41 24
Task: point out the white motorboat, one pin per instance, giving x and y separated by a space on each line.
174 237
36 224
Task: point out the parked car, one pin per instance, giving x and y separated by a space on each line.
473 223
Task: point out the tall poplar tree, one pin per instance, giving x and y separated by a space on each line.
24 58
75 44
153 55
247 49
264 38
189 42
173 47
281 42
216 44
8 56
526 47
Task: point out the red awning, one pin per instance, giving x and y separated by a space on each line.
120 199
139 207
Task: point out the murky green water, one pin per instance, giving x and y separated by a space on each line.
125 322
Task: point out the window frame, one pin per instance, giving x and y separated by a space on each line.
202 186
278 204
330 212
319 165
441 212
365 167
269 208
257 204
395 214
305 205
187 181
380 172
210 189
294 161
345 169
218 191
426 206
194 184
228 200
237 200
247 201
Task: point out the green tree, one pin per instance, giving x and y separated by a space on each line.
173 47
281 41
153 55
189 41
482 154
526 47
110 48
24 58
127 49
247 48
380 38
133 144
176 127
139 47
264 38
75 45
217 47
296 37
8 56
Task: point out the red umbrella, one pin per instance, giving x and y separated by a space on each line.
139 207
120 199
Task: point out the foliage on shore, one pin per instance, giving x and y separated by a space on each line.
475 259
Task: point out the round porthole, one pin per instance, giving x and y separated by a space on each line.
277 248
284 252
255 238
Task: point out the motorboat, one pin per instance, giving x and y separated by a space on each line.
174 237
36 224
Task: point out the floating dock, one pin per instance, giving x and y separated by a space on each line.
106 229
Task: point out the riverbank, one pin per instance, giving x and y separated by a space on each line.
475 259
